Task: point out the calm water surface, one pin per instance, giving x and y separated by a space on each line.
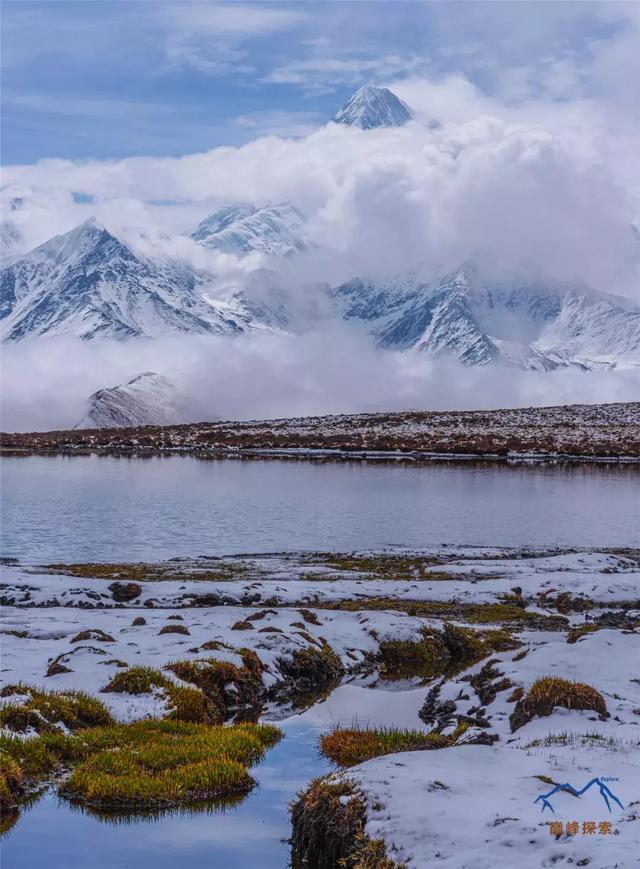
97 508
249 836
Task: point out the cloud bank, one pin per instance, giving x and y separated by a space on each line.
537 184
46 383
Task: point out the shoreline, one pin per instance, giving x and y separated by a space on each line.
564 433
326 454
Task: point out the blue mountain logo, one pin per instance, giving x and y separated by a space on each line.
605 792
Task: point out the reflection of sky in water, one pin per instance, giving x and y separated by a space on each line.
99 508
53 835
249 835
352 705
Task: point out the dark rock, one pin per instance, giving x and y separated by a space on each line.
55 668
123 592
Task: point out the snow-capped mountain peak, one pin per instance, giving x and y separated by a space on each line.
275 230
90 284
372 106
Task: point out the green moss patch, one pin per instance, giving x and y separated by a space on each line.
426 657
312 669
395 567
574 634
504 613
152 763
228 687
435 653
146 572
183 703
47 711
146 764
137 680
11 777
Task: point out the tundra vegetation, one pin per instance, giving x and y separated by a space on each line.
141 765
348 747
328 821
549 692
569 431
284 630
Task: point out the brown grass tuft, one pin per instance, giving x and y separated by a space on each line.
348 747
174 629
549 692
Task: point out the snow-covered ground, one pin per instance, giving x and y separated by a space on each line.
473 807
595 431
465 806
93 662
596 576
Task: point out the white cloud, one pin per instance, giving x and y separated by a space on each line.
45 385
210 37
323 74
542 182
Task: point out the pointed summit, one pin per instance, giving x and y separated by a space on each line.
371 107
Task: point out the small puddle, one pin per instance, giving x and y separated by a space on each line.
250 834
58 836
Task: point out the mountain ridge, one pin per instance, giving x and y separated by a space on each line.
147 399
90 284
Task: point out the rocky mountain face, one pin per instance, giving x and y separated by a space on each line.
532 324
90 284
148 399
371 107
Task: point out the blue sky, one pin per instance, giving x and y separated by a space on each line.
112 79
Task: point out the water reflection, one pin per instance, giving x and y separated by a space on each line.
89 508
136 816
252 834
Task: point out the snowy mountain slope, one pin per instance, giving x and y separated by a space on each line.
12 198
528 323
588 326
375 300
275 230
10 238
148 399
371 107
90 284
